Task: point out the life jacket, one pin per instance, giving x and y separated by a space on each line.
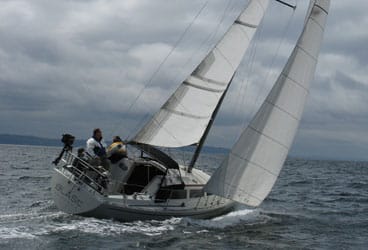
116 151
95 147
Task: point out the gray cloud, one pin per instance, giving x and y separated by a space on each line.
75 65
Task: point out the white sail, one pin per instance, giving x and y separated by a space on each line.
182 120
253 165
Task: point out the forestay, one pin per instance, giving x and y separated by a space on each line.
182 120
251 169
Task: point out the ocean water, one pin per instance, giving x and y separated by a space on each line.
314 205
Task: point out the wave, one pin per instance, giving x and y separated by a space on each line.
297 183
358 185
111 228
27 177
242 216
28 216
58 223
284 217
15 233
19 168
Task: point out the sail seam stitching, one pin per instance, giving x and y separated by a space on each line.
315 20
246 34
261 5
255 164
202 87
269 137
158 124
242 190
295 82
283 110
227 60
306 52
252 195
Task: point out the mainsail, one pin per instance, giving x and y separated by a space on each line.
182 120
250 170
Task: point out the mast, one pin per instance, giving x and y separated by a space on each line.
208 128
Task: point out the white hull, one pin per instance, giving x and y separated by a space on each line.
74 196
127 212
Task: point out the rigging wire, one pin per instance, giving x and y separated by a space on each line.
161 64
243 86
245 83
212 35
209 37
281 41
253 107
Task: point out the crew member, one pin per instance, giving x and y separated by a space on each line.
117 150
96 148
95 145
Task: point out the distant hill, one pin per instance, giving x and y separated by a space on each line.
39 141
33 140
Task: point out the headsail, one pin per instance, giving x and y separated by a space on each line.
253 165
182 120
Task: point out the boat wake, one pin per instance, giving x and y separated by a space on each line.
64 224
111 228
241 216
10 229
4 218
15 233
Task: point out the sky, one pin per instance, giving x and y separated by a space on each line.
74 65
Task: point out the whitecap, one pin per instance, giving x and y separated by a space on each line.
243 216
15 233
109 227
29 216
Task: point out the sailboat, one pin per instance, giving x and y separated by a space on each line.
153 185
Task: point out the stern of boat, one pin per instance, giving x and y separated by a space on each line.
71 195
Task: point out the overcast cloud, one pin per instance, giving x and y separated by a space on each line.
71 66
